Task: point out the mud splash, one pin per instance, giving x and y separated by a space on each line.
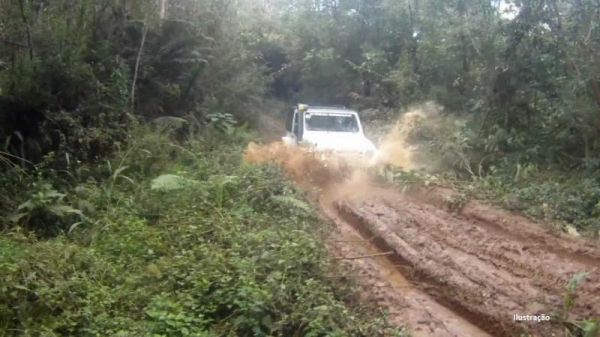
394 144
394 148
303 166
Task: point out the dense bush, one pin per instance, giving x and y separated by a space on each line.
554 197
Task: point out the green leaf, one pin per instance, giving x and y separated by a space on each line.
591 328
28 205
54 194
119 170
576 279
267 321
73 226
291 201
17 217
61 210
128 179
172 182
239 320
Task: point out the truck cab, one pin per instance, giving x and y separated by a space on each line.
327 128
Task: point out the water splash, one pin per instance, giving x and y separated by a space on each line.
396 149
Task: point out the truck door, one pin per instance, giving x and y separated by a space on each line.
294 126
291 126
289 120
299 124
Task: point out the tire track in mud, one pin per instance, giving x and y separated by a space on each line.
383 281
482 276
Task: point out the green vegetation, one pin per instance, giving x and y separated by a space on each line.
175 240
570 202
126 210
589 327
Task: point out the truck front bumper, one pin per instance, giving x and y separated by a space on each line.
353 158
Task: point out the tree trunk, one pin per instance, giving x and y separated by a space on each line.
586 48
413 48
462 10
163 6
27 29
503 89
137 65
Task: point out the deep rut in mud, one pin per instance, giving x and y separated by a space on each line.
382 277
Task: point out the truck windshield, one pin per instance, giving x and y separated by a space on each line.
331 122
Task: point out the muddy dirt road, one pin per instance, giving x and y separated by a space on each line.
467 274
445 273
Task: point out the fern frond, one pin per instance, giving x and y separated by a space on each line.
169 122
293 202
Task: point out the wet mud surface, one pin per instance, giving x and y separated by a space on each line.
467 274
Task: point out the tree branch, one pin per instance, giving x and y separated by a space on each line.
13 44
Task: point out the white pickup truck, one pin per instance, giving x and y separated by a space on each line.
328 129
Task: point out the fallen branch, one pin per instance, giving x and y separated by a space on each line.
363 256
368 240
349 275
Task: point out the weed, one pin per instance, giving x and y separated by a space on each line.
585 328
45 211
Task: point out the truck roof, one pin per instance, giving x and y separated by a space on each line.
327 107
336 109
